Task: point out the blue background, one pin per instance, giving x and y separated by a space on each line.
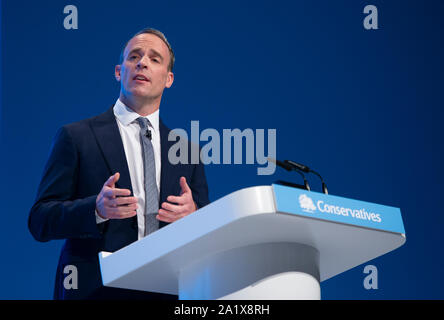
364 108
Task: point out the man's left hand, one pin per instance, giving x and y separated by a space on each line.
178 207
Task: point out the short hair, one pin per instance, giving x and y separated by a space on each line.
162 37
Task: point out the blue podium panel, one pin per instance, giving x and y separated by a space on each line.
337 209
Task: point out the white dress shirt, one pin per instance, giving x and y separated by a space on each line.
130 132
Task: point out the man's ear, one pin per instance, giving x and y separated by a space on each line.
170 80
117 72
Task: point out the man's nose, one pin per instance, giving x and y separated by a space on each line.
143 62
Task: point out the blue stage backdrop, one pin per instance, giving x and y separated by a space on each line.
362 107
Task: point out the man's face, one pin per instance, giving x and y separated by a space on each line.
144 70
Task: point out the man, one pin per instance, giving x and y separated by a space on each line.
108 181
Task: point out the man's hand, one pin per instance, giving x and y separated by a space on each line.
114 203
183 205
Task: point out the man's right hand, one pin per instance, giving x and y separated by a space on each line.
114 203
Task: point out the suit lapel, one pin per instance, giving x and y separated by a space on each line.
166 166
110 142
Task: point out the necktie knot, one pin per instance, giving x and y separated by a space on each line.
143 122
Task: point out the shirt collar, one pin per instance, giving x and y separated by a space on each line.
126 115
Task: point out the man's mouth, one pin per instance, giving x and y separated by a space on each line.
141 77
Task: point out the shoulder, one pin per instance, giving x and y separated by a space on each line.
81 132
176 136
83 126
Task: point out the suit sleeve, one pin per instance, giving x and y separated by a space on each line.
55 213
199 186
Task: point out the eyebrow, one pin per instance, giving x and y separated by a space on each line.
137 50
156 53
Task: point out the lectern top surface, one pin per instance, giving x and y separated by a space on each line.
247 217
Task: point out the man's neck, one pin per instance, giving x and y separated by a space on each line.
143 107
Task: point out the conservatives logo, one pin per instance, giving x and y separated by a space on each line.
306 203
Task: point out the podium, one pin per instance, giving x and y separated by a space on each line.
262 243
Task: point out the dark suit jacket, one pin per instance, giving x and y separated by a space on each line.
83 156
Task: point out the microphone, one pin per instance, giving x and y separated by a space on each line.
281 164
148 134
297 165
307 170
289 167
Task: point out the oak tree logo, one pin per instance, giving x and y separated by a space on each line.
306 203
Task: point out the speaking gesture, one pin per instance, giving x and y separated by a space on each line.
114 203
178 207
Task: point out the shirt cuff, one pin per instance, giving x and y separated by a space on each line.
99 219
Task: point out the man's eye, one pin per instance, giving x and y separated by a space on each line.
155 60
132 57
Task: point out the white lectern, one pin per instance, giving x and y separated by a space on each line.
265 242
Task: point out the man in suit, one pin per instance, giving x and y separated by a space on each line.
108 181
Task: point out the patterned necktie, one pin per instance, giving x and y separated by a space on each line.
149 168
